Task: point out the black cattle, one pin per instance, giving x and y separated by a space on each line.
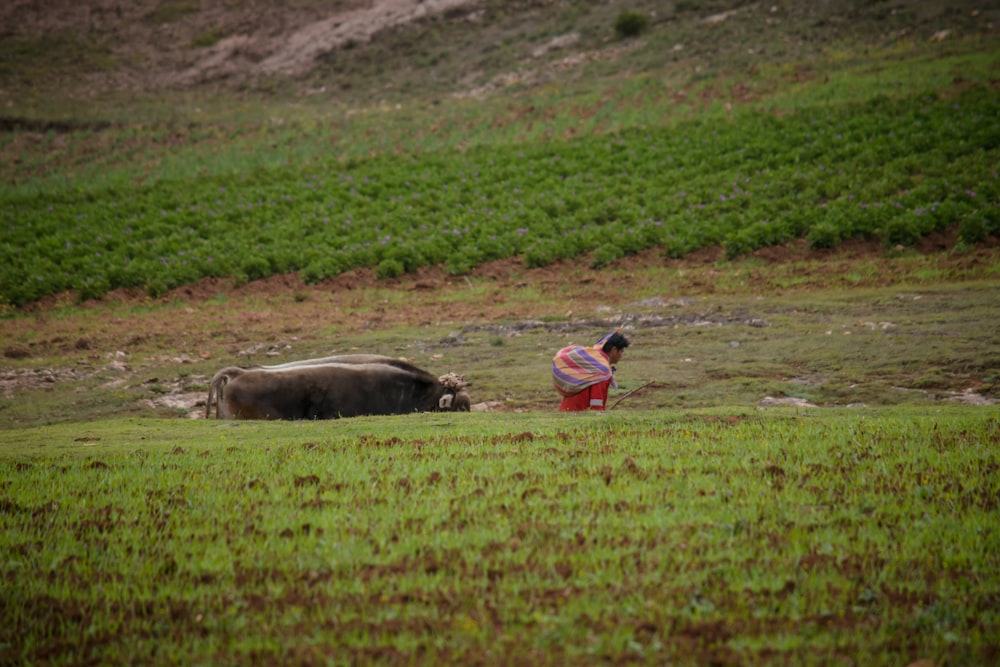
333 390
226 374
341 359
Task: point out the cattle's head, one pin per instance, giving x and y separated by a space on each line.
455 398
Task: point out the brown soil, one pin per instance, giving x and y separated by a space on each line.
283 304
216 320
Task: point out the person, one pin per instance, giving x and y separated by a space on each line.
583 375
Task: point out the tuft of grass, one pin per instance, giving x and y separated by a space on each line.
207 39
631 24
169 11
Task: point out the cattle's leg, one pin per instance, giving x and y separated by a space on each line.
215 388
208 403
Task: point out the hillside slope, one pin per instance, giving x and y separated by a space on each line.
67 58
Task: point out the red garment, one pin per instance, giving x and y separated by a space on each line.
594 397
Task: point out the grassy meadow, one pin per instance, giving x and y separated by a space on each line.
807 474
682 537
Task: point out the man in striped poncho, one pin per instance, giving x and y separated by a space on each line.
583 375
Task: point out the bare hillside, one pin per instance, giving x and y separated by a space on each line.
150 44
99 52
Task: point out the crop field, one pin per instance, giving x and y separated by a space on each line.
895 170
791 208
722 537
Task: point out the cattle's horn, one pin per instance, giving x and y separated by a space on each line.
453 381
445 402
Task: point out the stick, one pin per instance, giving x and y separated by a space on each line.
627 394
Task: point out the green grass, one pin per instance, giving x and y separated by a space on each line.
727 536
52 55
207 39
168 11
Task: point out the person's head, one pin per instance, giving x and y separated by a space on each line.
614 345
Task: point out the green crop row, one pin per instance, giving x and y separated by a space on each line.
891 169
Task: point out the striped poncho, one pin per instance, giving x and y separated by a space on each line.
576 367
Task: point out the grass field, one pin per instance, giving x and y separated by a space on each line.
688 537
